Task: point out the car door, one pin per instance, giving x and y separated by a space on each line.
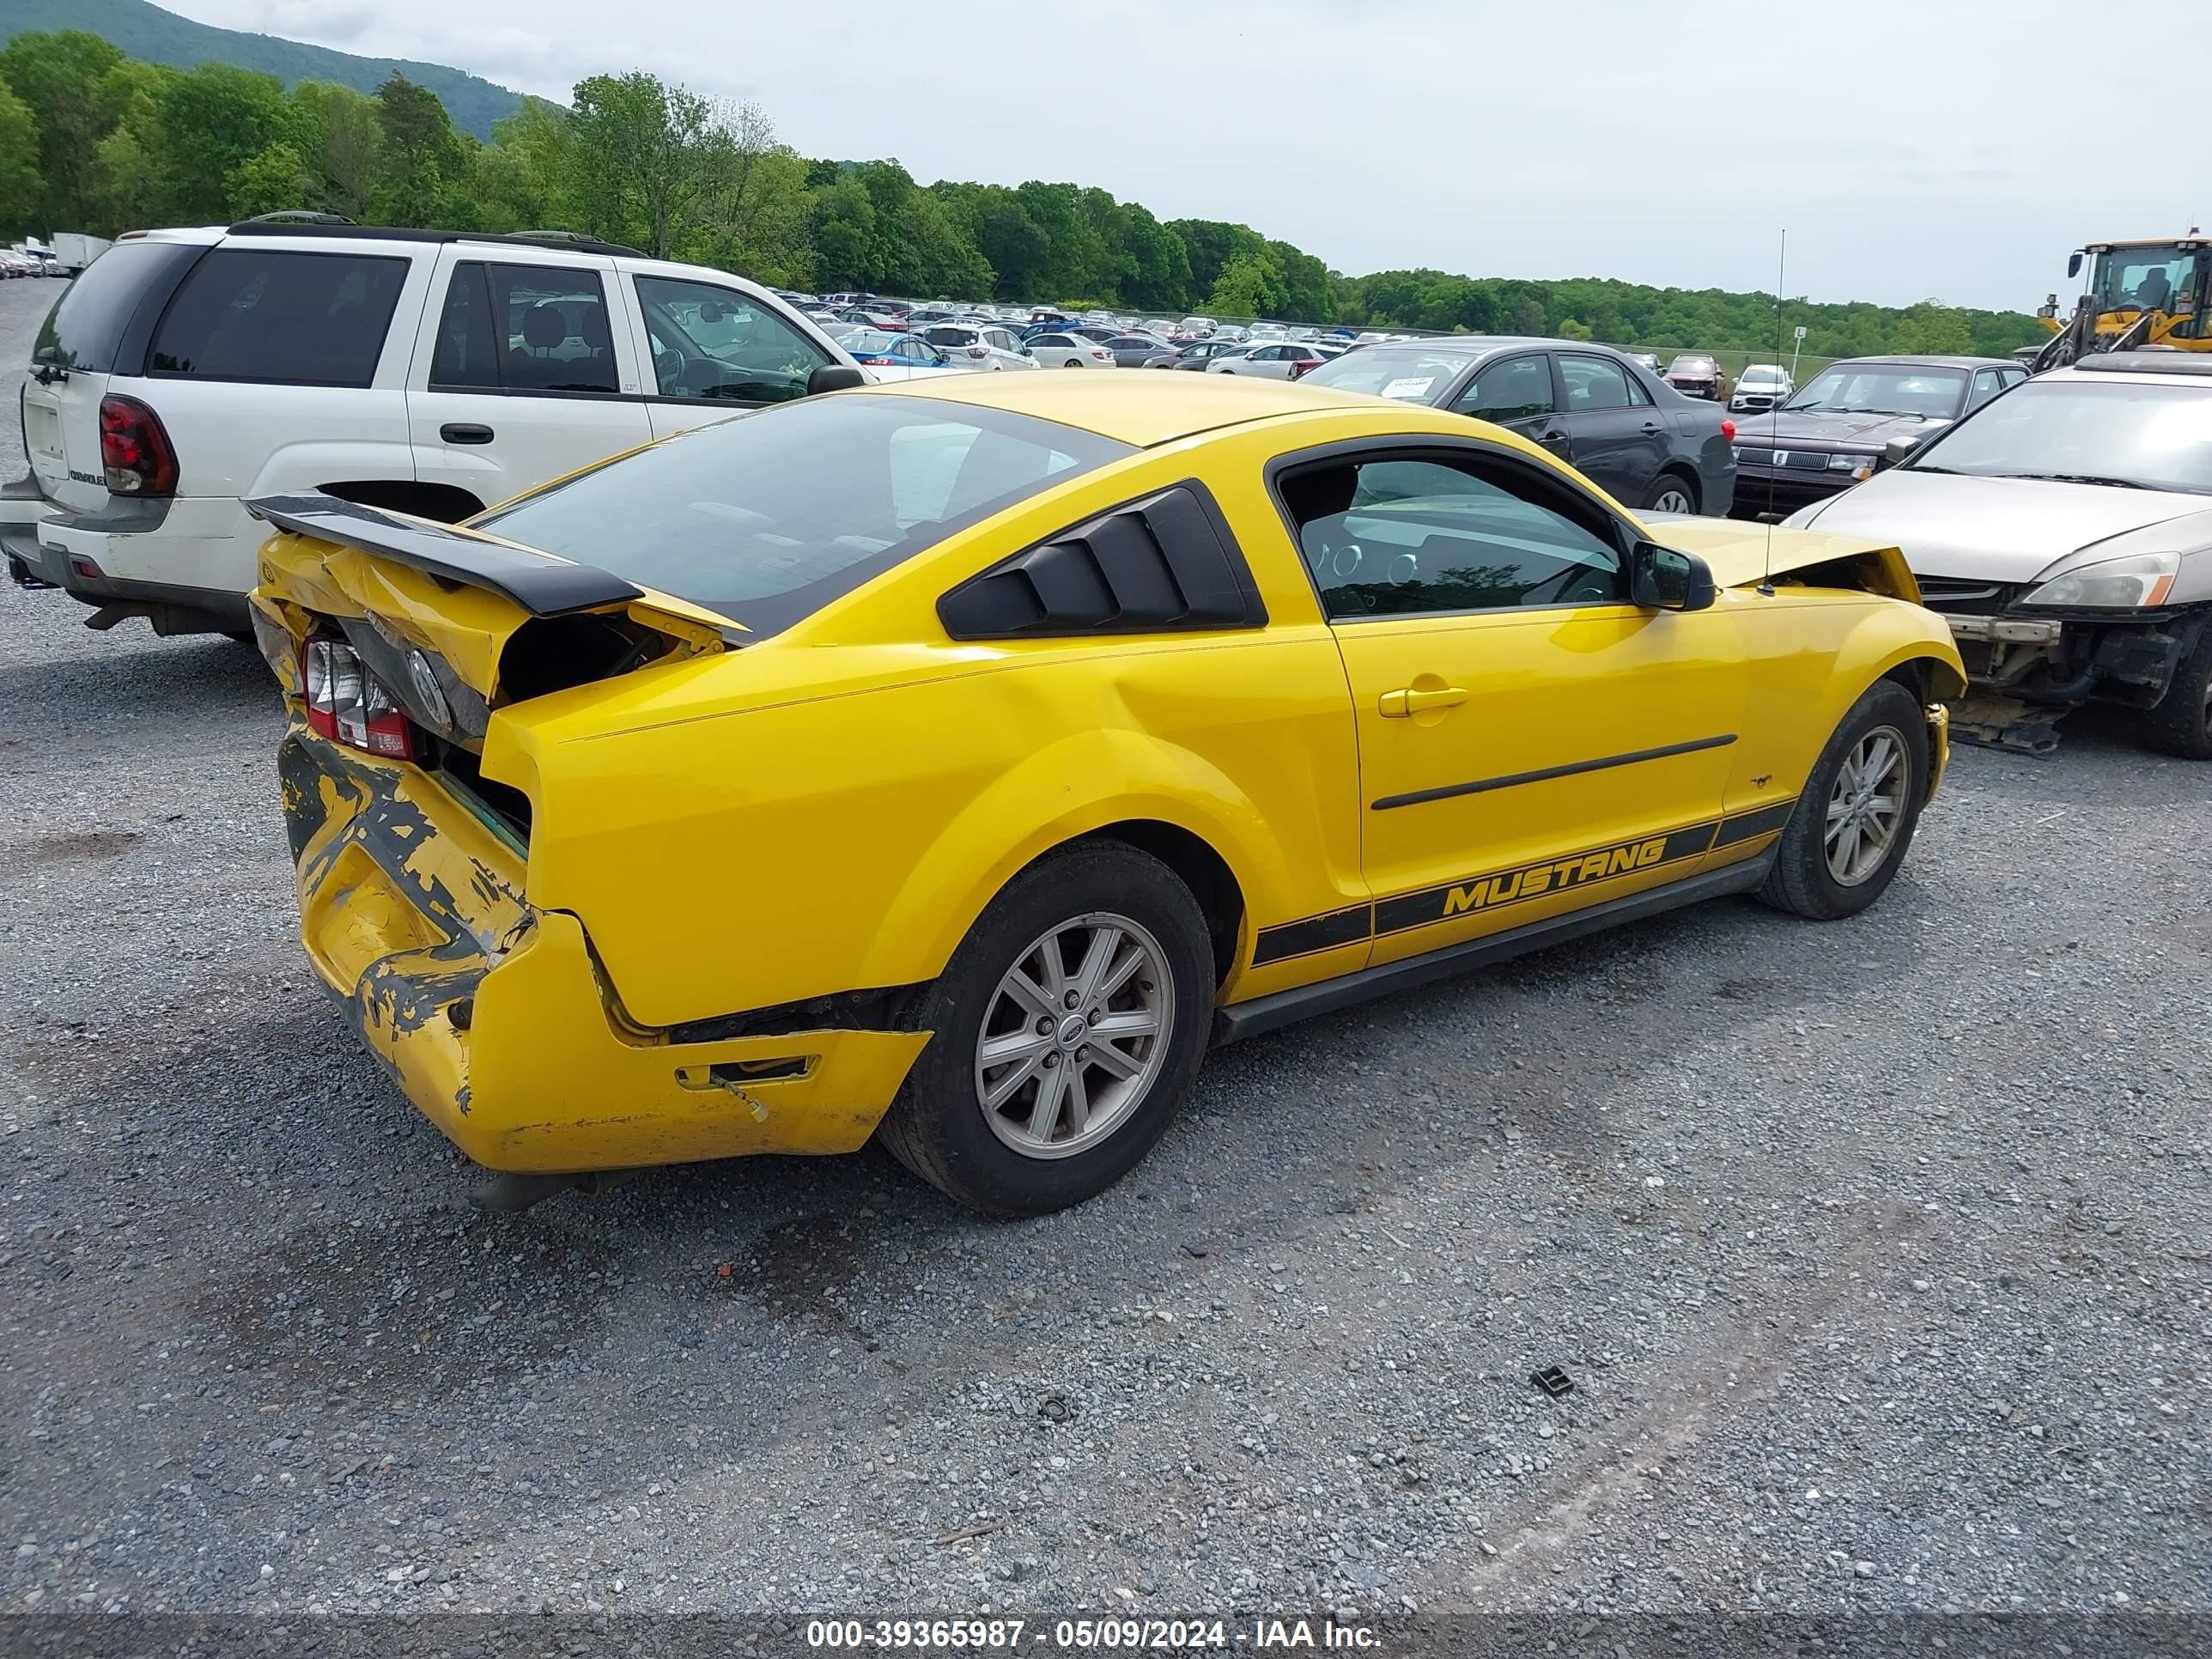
1529 741
520 374
712 351
1519 394
1615 438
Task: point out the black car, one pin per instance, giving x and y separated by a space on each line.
1606 415
1825 439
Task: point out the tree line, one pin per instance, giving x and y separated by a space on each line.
93 140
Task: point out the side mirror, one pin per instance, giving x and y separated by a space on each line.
833 377
2074 263
1660 578
1899 448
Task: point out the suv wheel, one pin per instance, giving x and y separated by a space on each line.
1067 1030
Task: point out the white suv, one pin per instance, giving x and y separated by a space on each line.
432 372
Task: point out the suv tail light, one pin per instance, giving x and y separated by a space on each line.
1727 429
977 351
135 450
1303 364
348 704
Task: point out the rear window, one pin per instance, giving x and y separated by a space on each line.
1413 375
86 326
770 517
278 316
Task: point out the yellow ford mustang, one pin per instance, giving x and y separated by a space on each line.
955 764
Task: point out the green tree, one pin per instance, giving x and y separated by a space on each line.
422 169
845 235
21 186
208 121
1250 285
271 182
343 140
1574 328
57 77
649 160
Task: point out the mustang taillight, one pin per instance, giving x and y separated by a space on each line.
348 704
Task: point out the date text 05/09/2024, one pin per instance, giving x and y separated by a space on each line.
1126 1635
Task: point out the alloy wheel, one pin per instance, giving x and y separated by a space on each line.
1674 498
1865 806
1075 1036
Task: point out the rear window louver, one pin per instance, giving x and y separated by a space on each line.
1166 563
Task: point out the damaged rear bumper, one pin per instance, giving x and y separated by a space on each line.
495 1019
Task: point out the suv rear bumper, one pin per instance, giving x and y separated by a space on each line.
183 564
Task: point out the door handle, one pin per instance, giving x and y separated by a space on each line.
1653 426
1402 704
1553 438
465 432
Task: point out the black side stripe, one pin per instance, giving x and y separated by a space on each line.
1746 825
1531 881
1302 938
1483 786
1517 884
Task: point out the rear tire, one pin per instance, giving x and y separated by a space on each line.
1026 1153
2181 724
1672 488
1841 848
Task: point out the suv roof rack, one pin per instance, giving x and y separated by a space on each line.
2152 360
299 216
335 225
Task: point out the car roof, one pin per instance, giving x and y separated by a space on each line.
1142 410
1929 362
2144 366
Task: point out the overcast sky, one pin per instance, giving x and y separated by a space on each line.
1956 149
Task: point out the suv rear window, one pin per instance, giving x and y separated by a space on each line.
769 518
281 317
86 326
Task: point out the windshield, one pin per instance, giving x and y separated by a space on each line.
1413 375
768 516
1884 389
1760 374
2081 431
2162 278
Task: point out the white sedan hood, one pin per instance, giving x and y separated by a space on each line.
1997 530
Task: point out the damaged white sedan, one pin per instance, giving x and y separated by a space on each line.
2064 530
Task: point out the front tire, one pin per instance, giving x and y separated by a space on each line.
2181 724
1843 844
1067 1030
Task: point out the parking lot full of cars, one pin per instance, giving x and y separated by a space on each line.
1374 850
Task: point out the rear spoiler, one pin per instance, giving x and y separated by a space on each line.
537 582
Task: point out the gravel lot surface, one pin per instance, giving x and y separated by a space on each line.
1877 1252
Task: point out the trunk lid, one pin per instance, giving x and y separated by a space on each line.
61 433
455 622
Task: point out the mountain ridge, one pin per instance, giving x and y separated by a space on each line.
146 31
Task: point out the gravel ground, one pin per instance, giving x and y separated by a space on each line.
1877 1252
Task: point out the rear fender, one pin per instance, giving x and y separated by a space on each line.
1099 778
